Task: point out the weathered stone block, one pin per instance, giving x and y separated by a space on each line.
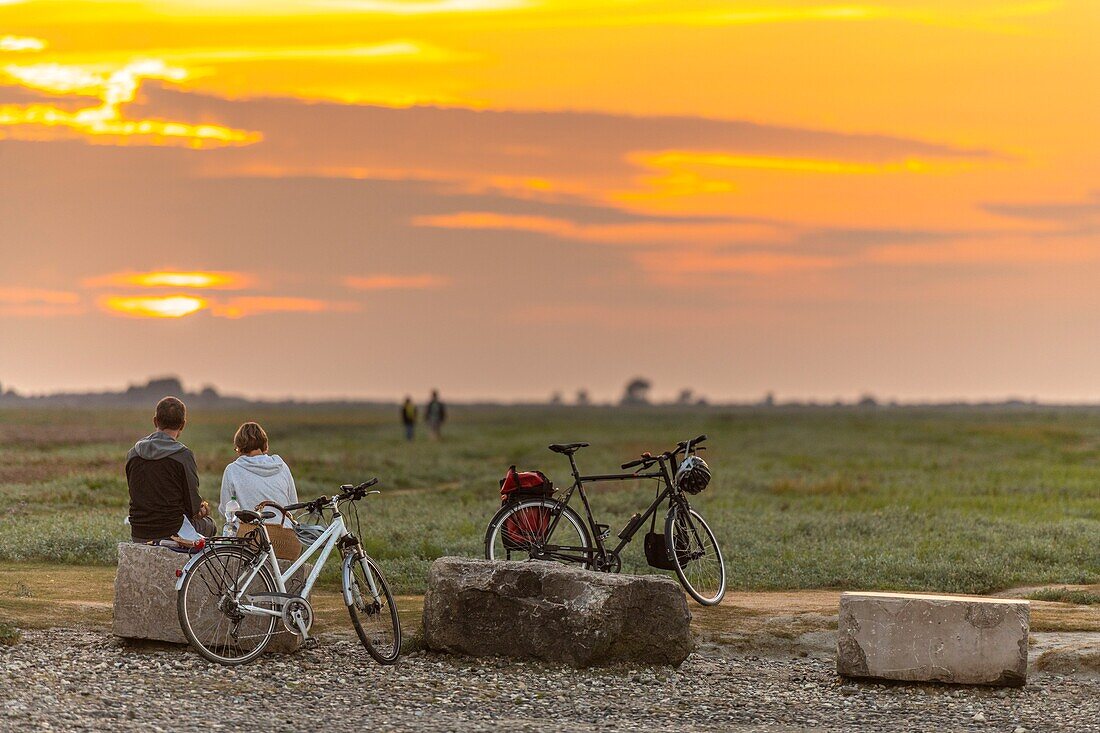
918 638
145 596
548 611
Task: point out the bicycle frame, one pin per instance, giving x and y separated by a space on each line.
333 534
600 550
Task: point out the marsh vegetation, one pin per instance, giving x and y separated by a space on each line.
903 498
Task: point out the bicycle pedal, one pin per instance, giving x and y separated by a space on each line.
310 642
603 530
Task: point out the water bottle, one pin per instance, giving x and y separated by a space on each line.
231 508
631 525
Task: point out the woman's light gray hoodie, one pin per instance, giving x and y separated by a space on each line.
252 479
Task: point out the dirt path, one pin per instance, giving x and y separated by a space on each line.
48 596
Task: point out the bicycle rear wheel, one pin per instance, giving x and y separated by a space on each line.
373 614
521 531
696 556
208 606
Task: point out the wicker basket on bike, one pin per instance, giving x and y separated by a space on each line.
283 538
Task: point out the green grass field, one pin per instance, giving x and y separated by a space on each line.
906 498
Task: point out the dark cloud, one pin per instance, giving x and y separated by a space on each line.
850 240
79 210
1070 213
463 142
23 95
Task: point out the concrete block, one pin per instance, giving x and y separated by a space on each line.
920 638
145 596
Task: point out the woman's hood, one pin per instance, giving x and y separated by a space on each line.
262 465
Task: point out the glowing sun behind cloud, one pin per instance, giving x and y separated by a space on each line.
175 305
173 279
115 87
169 306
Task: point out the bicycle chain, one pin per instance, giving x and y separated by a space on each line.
260 636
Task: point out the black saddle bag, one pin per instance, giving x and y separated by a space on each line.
656 551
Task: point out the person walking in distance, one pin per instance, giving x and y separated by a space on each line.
408 417
435 414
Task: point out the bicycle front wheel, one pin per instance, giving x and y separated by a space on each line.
209 606
373 612
696 556
522 531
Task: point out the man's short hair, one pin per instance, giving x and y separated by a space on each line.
250 436
171 414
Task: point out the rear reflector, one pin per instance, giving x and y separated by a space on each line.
179 572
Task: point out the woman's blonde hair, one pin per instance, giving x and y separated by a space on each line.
250 436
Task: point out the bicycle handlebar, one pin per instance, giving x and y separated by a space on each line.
693 442
648 460
347 492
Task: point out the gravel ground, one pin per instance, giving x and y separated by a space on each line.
78 680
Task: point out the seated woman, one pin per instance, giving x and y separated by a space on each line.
256 477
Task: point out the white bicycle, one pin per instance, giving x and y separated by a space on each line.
232 594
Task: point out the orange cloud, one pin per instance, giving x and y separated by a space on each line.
114 87
398 50
397 282
1008 250
178 306
687 158
627 233
1004 18
168 306
425 7
36 295
702 264
174 279
20 301
491 220
564 13
259 305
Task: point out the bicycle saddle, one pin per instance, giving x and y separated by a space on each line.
250 517
567 448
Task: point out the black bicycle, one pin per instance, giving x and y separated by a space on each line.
546 528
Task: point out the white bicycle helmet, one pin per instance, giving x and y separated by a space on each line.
693 475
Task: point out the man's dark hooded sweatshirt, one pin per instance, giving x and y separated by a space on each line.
164 486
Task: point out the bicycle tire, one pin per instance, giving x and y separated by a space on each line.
189 618
690 556
358 606
497 523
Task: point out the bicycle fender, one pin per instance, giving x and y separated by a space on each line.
348 560
186 568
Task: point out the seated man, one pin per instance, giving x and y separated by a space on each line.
164 482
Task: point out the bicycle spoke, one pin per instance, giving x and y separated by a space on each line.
209 611
524 531
697 558
373 614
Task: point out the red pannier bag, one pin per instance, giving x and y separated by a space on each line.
530 524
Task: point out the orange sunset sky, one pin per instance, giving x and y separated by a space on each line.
504 198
